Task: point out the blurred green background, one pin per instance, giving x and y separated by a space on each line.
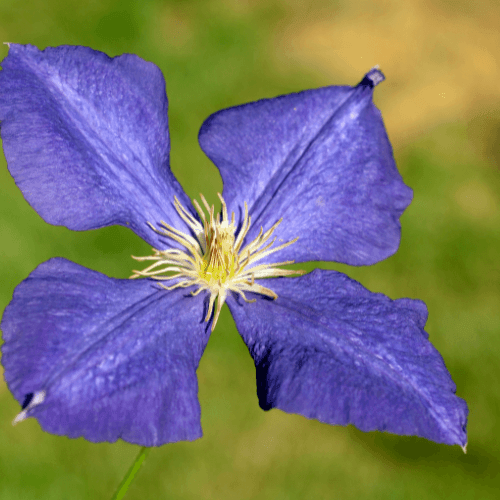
441 105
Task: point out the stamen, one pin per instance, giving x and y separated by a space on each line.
244 229
213 261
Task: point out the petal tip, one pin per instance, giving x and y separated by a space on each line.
373 77
32 400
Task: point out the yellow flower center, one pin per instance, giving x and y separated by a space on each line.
214 260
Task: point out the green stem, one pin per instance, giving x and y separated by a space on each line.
129 476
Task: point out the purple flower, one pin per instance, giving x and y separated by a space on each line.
86 139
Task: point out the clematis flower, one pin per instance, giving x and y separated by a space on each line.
307 176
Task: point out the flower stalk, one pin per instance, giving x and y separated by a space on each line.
131 473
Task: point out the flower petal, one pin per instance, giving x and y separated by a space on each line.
86 138
104 358
320 159
329 349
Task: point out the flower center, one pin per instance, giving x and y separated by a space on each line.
213 259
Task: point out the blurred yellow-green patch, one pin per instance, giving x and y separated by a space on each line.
441 105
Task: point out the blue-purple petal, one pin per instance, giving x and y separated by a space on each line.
331 350
112 358
86 138
321 159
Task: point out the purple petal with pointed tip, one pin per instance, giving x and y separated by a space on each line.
329 349
116 358
86 138
320 159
